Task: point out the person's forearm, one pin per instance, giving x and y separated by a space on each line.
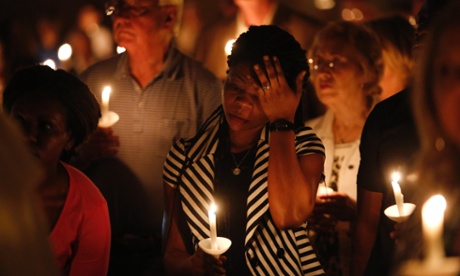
364 240
365 229
291 192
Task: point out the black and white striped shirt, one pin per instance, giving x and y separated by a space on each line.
269 251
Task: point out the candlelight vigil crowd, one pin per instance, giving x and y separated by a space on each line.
148 137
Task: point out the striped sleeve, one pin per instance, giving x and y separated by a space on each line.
174 163
307 142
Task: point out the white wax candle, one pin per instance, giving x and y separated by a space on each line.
212 226
432 222
105 101
399 197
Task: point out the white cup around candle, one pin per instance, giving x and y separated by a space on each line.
212 226
432 223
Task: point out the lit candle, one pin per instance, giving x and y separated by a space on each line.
105 101
212 226
432 221
399 197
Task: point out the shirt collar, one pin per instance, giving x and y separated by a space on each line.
172 68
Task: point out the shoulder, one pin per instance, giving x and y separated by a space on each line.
102 68
195 72
307 132
398 100
392 111
307 142
84 187
196 67
317 122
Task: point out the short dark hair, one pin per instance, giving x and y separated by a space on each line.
270 40
83 108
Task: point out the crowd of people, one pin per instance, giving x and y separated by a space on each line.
293 134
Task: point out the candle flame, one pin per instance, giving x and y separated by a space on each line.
212 208
434 206
106 93
395 176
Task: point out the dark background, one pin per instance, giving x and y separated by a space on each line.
18 20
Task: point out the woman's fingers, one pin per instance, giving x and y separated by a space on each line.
272 73
264 81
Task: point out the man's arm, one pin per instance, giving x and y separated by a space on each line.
365 230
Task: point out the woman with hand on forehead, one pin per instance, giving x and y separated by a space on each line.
256 161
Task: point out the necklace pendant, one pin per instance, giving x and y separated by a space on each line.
236 171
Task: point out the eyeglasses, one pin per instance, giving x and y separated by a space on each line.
120 8
335 64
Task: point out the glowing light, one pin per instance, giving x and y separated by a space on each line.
358 14
50 63
412 21
399 197
105 101
229 46
433 220
64 52
212 226
324 4
352 14
396 176
120 49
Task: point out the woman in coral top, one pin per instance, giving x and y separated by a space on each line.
57 112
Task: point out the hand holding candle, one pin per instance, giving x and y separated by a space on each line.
214 245
400 211
399 197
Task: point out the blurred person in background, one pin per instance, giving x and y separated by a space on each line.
57 112
389 143
160 95
81 56
211 44
48 32
396 36
346 64
89 20
24 245
435 104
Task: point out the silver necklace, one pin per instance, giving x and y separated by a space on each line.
237 170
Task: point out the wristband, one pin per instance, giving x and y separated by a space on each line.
281 125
